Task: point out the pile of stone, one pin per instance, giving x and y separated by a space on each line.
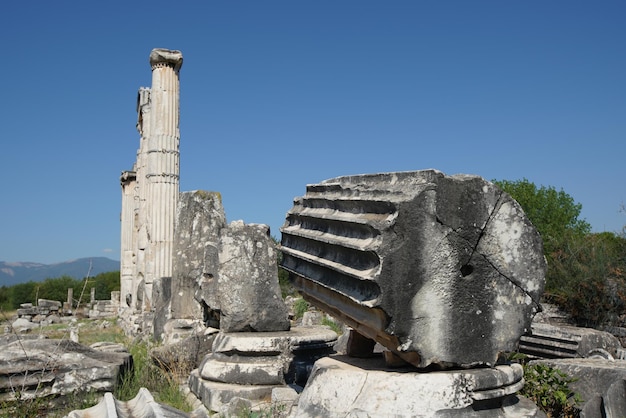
105 308
32 367
46 312
445 272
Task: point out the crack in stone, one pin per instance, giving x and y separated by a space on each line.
480 237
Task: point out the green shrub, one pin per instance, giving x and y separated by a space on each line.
164 385
332 324
300 306
549 389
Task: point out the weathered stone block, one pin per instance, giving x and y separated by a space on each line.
216 395
439 269
199 220
46 367
344 386
564 341
248 281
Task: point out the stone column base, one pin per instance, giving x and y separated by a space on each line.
344 386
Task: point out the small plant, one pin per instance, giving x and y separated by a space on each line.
299 308
332 324
164 385
549 388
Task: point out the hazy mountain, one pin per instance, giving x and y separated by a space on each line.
21 272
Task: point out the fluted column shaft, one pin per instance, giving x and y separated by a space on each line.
162 162
141 226
127 217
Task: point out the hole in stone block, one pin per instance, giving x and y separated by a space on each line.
466 270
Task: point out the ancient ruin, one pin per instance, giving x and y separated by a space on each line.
190 280
443 270
435 277
33 367
150 190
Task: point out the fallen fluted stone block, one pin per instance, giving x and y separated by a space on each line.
46 367
142 405
564 341
439 269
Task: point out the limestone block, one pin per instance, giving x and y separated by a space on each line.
343 386
216 395
142 405
564 341
46 367
258 370
248 281
440 269
199 219
22 325
49 304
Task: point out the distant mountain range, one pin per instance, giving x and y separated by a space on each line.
22 272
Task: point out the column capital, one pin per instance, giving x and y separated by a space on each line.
127 177
160 57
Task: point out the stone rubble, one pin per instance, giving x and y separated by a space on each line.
39 367
422 268
142 405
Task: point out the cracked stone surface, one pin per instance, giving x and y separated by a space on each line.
440 269
348 387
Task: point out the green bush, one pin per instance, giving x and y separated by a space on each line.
163 385
586 273
549 389
300 306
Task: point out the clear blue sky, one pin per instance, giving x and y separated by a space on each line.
279 94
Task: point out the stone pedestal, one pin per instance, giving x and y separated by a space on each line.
344 386
251 364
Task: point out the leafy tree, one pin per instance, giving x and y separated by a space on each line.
105 283
56 289
5 299
554 213
586 272
23 293
588 278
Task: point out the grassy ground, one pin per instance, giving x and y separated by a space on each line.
164 386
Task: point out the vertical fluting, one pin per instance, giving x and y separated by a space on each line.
141 226
128 244
162 173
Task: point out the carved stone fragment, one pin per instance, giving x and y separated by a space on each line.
439 269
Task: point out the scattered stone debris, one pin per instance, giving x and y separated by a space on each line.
433 278
142 405
40 367
566 341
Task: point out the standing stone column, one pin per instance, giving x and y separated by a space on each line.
141 223
162 164
128 182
